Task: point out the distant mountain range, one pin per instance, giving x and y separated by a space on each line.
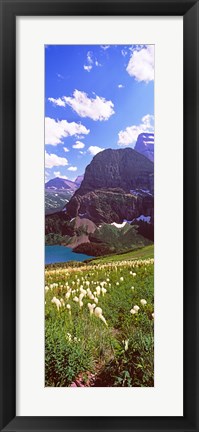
59 183
58 191
113 208
145 145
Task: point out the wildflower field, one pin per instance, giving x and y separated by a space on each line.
99 323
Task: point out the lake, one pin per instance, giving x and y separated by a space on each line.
57 254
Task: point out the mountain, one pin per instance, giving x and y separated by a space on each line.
112 210
58 192
79 180
145 145
61 184
56 199
123 168
110 205
117 185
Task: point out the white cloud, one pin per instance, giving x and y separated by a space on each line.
90 57
124 52
72 168
46 176
105 47
120 86
93 150
130 134
141 64
88 68
66 149
78 145
58 102
55 131
60 76
52 160
97 108
58 174
89 64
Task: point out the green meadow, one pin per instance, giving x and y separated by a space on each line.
99 322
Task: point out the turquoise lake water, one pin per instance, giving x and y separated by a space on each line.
57 254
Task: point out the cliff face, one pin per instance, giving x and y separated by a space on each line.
118 184
122 168
110 206
117 187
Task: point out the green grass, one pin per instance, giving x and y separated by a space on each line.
142 253
82 348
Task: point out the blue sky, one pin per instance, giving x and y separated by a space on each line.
96 97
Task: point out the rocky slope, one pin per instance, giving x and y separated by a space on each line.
110 205
117 187
122 168
118 184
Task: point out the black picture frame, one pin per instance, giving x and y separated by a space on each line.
9 10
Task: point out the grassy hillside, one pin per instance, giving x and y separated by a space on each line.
142 253
99 323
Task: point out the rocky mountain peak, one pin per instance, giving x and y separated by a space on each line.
145 145
122 168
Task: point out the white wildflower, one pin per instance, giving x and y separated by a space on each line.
136 308
133 311
57 302
98 290
91 307
98 313
69 337
67 295
143 302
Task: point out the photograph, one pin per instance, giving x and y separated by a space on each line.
99 215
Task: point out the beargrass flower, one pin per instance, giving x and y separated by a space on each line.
91 307
143 302
57 302
133 311
98 313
